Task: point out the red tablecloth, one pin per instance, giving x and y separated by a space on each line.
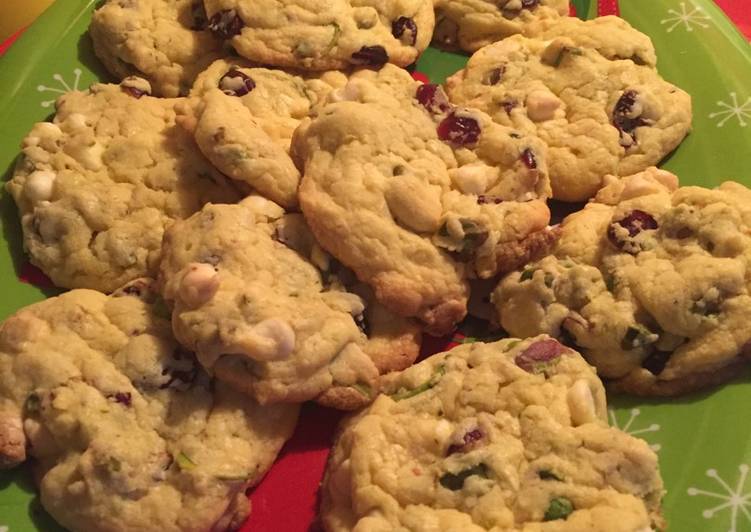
301 463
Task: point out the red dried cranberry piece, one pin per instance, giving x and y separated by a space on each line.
198 15
538 355
459 130
405 29
528 158
625 124
133 91
432 97
635 222
225 24
494 76
124 398
468 440
236 83
508 105
371 56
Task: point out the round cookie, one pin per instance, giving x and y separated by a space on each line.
259 316
471 24
164 41
415 195
243 118
126 431
597 115
97 187
324 34
650 283
508 435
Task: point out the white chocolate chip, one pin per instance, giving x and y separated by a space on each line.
347 302
262 209
76 121
271 339
443 430
414 203
473 178
199 284
39 185
454 228
349 93
134 82
542 105
232 85
581 403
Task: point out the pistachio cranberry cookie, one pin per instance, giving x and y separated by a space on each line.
508 435
471 24
324 34
650 282
126 431
243 117
97 187
259 316
164 41
416 195
597 115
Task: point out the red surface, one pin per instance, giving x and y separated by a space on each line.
286 500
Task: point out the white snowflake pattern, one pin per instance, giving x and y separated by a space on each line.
695 16
62 89
734 499
733 109
627 426
4 528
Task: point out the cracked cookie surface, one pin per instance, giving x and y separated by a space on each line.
597 114
650 282
415 195
509 435
126 431
97 187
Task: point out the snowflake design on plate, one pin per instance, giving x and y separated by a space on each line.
628 426
62 89
733 499
688 19
4 528
733 109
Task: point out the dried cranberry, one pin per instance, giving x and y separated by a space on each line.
528 158
124 398
199 17
133 91
459 130
468 441
225 24
482 199
182 371
433 98
509 105
624 123
494 76
236 83
371 56
405 27
635 222
538 355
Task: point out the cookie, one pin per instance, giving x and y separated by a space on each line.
324 34
260 317
163 41
97 187
471 24
597 115
649 282
415 195
126 431
243 118
509 435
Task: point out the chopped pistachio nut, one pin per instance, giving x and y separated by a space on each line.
404 393
455 481
559 508
184 462
638 336
364 389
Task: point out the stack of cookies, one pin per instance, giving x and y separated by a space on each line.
268 209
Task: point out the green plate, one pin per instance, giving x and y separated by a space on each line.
703 442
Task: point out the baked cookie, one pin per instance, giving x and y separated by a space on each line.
597 115
126 431
324 34
243 118
163 41
258 315
96 187
509 435
471 24
415 195
650 283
